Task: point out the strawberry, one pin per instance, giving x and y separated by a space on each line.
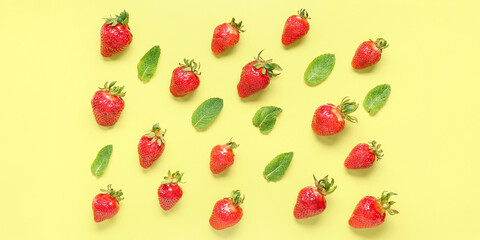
221 157
296 27
311 200
227 212
115 35
185 78
107 104
370 211
256 76
105 205
169 192
151 146
368 53
329 119
363 155
226 36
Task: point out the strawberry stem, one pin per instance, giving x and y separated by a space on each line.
113 90
303 13
267 65
156 134
115 194
237 26
237 197
324 186
386 204
231 145
121 19
375 148
346 107
190 66
380 43
172 178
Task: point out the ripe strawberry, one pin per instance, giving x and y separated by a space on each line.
226 35
256 76
363 155
221 157
227 212
169 192
115 35
329 119
311 200
368 53
185 78
105 205
107 104
370 211
151 146
296 27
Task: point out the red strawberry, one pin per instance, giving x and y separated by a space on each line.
115 35
185 78
107 104
296 27
169 192
370 211
151 146
256 76
227 212
226 35
363 155
105 205
368 53
311 200
221 157
329 119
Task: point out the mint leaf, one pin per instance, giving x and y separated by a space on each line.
148 64
277 167
101 161
376 98
206 113
319 69
265 118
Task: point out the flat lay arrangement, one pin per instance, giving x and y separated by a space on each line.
328 119
239 120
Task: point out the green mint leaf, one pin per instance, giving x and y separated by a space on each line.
265 118
376 98
319 69
206 113
101 161
148 64
277 167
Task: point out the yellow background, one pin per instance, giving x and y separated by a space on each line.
51 66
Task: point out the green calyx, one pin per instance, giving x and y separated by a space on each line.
190 66
156 134
237 197
118 19
115 194
346 107
231 145
303 13
237 26
386 204
267 66
325 186
375 148
172 178
113 90
380 43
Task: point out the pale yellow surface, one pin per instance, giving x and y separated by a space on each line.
51 66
